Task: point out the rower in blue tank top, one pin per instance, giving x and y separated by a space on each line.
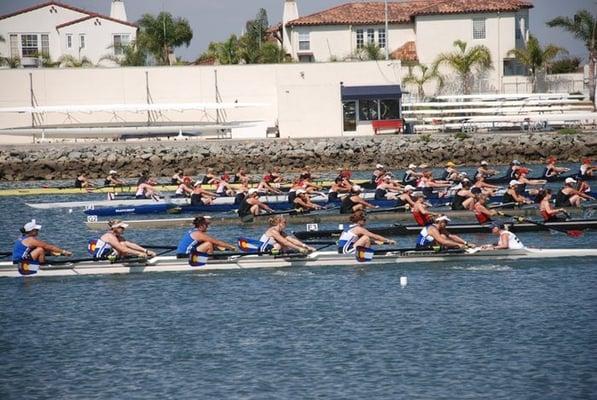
357 235
198 240
31 249
277 240
436 234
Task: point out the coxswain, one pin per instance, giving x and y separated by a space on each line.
387 189
354 202
185 188
303 202
507 240
113 241
83 181
436 234
356 235
512 197
201 197
586 169
479 208
411 176
406 198
276 240
461 195
197 239
113 180
569 196
241 176
340 186
551 170
29 248
484 171
147 190
251 205
420 213
548 212
178 177
209 177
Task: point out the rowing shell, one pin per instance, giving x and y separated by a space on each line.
317 259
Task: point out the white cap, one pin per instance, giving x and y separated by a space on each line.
301 191
513 182
484 162
412 166
515 162
463 173
120 225
442 218
379 166
357 188
31 226
423 166
409 187
570 180
252 190
198 183
113 172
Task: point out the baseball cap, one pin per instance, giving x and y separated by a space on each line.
252 191
515 162
484 162
118 224
450 164
442 218
31 226
570 180
357 188
301 191
379 166
204 219
513 182
409 187
113 172
412 166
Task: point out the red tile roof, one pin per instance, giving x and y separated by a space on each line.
403 12
68 7
407 52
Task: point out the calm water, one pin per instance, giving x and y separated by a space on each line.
508 330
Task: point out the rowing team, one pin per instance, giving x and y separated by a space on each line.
30 251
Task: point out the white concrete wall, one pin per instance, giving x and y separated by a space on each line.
304 99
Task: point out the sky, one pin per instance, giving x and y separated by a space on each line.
215 20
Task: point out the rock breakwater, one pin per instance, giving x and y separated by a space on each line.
160 158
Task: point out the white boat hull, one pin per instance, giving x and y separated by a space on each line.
317 259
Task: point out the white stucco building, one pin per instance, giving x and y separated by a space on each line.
57 29
418 30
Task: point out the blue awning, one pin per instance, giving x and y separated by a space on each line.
371 92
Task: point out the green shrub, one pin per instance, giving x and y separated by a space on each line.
461 135
568 131
425 138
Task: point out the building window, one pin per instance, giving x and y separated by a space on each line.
350 115
305 58
304 42
368 110
29 46
45 44
120 42
81 41
69 41
14 46
518 29
513 68
389 109
381 38
360 39
370 36
479 28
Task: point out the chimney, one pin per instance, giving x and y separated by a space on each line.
290 13
117 11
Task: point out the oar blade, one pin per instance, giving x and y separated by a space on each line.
575 233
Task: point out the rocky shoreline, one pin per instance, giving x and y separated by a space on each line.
65 161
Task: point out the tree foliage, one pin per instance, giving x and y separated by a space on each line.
535 58
566 65
132 55
68 61
424 75
466 62
160 35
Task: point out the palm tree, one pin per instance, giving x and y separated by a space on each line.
583 26
226 52
370 51
68 61
160 35
271 53
131 55
427 74
466 62
535 58
251 42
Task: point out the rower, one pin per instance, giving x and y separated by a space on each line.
479 208
507 240
303 202
251 205
146 190
83 181
241 176
345 174
436 234
386 188
427 183
406 198
266 186
377 173
586 169
484 171
178 177
411 176
184 189
197 239
143 177
549 213
354 202
113 180
209 177
461 195
113 242
223 189
569 196
340 185
276 175
483 186
419 211
511 195
524 181
356 235
551 170
201 197
275 240
451 173
30 249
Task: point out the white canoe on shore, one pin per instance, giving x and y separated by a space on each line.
316 259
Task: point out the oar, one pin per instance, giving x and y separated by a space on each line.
381 210
158 247
4 254
572 233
